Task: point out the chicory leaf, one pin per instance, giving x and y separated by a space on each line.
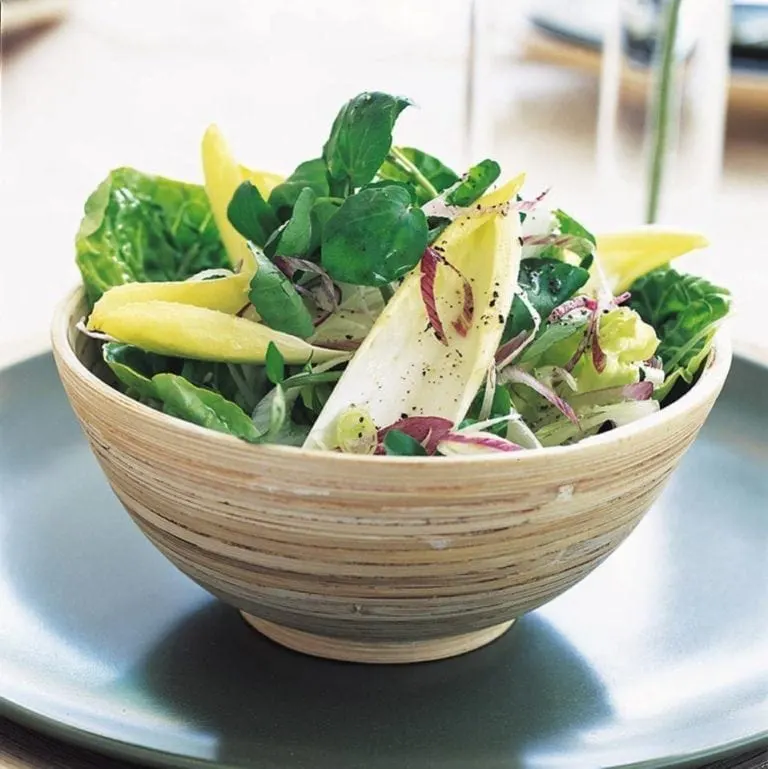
361 137
436 172
547 283
251 215
203 407
472 186
376 237
139 227
277 301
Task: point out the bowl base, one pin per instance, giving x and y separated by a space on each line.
376 652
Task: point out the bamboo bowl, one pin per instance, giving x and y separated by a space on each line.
375 559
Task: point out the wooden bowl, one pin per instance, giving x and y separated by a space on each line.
375 559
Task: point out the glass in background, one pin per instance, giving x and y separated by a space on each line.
662 111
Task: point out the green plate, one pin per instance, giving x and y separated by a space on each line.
659 657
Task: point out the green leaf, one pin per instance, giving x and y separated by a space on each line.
360 139
134 368
296 237
275 364
310 173
203 407
277 301
553 334
547 283
436 225
272 416
400 444
685 311
437 173
569 226
139 227
375 237
476 181
251 215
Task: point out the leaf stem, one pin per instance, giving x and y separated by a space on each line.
660 109
397 157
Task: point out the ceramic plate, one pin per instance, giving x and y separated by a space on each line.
659 657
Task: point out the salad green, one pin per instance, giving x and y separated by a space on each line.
375 301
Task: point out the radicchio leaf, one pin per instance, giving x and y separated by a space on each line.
518 375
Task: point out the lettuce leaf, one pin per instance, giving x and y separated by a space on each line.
139 227
685 311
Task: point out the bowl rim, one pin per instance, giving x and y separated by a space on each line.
711 380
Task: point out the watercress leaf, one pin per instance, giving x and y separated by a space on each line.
437 173
360 138
436 226
296 235
322 211
275 364
310 173
389 183
476 181
547 283
251 215
375 237
569 226
203 407
139 227
277 301
685 311
400 444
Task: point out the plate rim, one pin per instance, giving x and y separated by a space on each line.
67 732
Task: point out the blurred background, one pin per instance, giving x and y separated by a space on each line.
559 88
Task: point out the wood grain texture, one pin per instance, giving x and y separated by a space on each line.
375 549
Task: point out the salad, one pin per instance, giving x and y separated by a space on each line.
375 301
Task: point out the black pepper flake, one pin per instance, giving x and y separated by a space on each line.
359 435
501 319
492 303
520 241
404 415
496 293
348 336
479 207
361 420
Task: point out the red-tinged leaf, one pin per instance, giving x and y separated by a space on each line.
463 323
598 356
560 241
577 303
480 439
508 349
345 345
428 431
429 262
621 298
514 374
638 391
529 205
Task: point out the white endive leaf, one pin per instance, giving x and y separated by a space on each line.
401 368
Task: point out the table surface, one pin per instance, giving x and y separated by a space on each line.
111 86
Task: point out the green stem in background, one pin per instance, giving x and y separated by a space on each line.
660 113
404 164
386 292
